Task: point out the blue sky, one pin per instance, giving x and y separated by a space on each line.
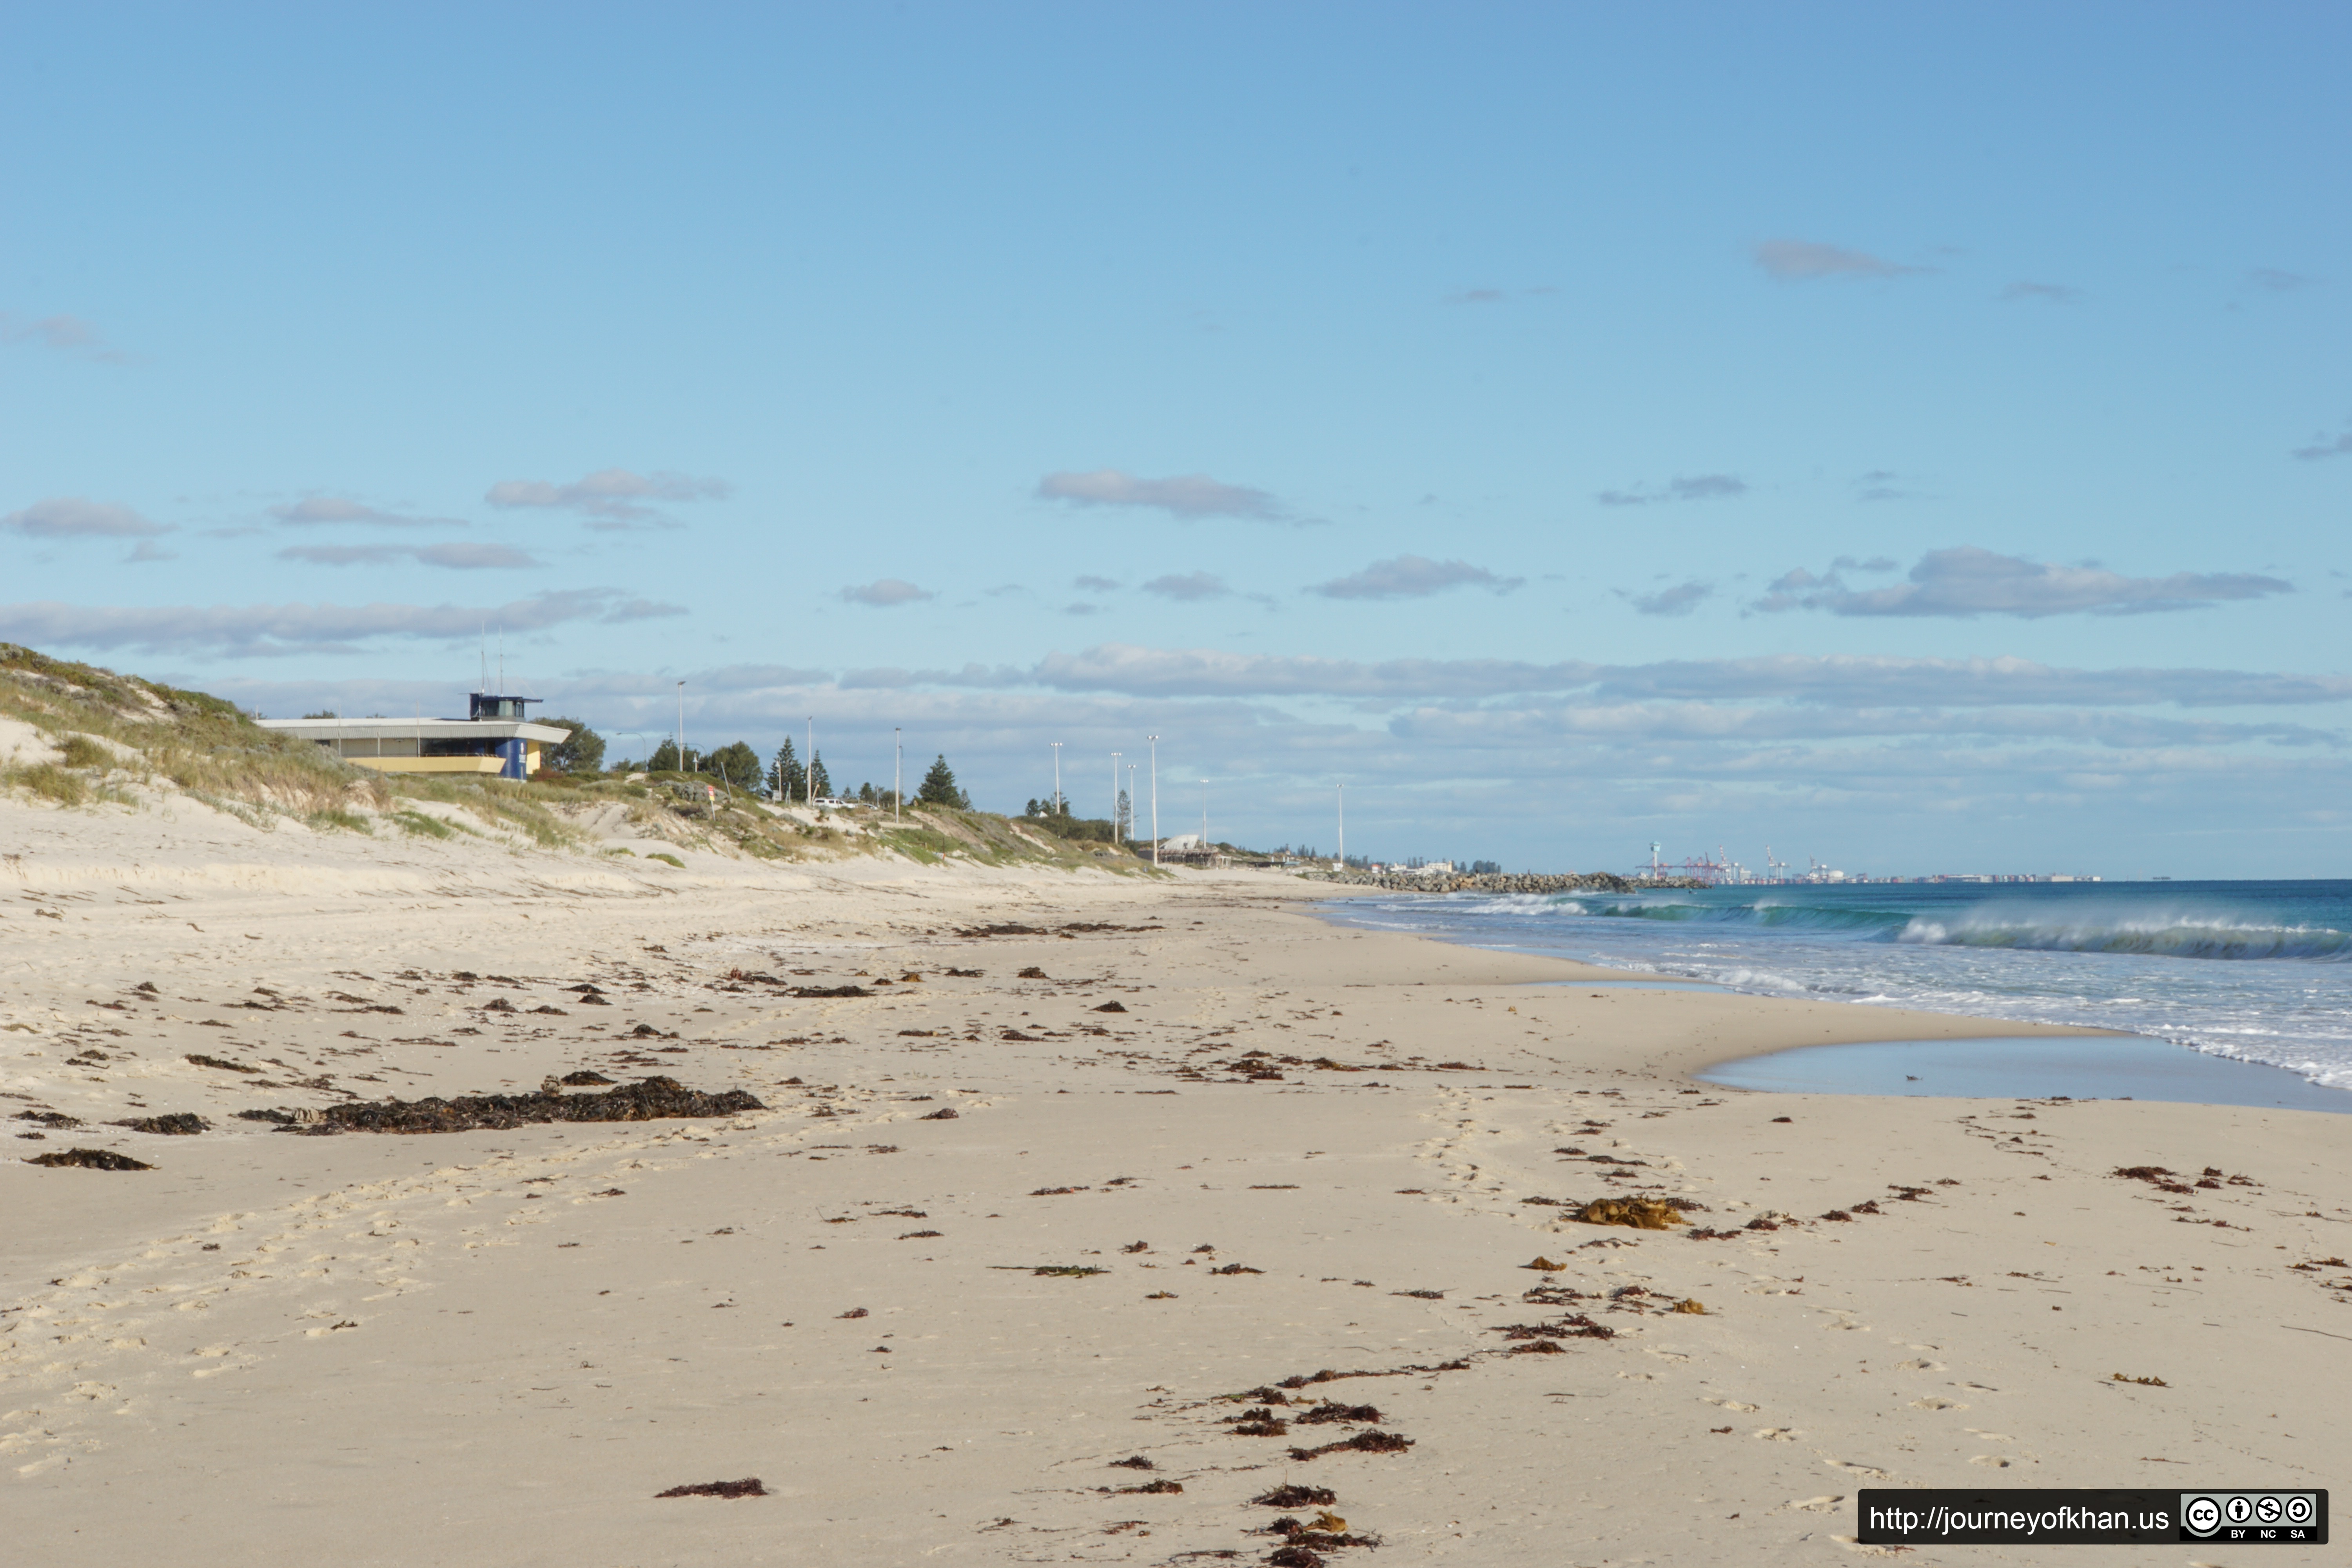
1919 438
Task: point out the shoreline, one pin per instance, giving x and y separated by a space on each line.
1291 1147
1989 1028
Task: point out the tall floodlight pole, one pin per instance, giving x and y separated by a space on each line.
1058 776
808 769
897 779
681 726
1155 797
1204 817
1114 797
1343 827
1130 803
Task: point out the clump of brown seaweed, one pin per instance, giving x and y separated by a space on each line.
647 1100
748 1487
91 1159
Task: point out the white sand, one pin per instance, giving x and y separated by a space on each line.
450 1350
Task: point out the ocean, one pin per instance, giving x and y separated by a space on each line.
2258 972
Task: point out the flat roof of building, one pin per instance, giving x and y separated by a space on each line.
380 728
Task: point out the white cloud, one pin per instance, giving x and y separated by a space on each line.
1678 600
71 517
462 556
885 592
613 496
2324 447
1187 495
1413 577
262 630
330 508
1189 588
1697 487
1968 581
66 334
1803 260
2275 281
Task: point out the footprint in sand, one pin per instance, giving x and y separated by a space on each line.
1735 1404
1932 1403
1989 1436
1776 1434
1871 1472
1921 1364
1859 1549
1813 1504
1991 1461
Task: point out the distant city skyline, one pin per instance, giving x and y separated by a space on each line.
1913 439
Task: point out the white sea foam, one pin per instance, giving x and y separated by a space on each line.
2256 971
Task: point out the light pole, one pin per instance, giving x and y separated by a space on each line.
1204 817
1058 776
898 781
1155 797
808 769
1343 827
1114 797
681 726
1130 803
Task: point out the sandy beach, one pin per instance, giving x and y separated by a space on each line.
1073 1239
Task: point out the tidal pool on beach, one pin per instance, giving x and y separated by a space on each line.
2076 1066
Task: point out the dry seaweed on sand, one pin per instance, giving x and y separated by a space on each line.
584 1078
748 1487
1641 1213
54 1119
1361 1443
91 1159
2156 1176
1575 1326
1412 1370
201 1060
1153 1487
1297 1497
944 1113
647 1100
178 1124
1332 1410
1295 1557
831 991
1133 1462
1051 1270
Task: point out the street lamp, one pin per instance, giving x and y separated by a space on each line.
681 726
1058 776
1155 797
1343 827
1114 796
898 781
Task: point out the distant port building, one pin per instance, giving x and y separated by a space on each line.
494 737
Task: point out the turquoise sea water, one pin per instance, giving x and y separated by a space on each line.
2260 972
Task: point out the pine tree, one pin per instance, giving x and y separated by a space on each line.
1125 815
939 787
785 775
738 763
820 783
664 760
